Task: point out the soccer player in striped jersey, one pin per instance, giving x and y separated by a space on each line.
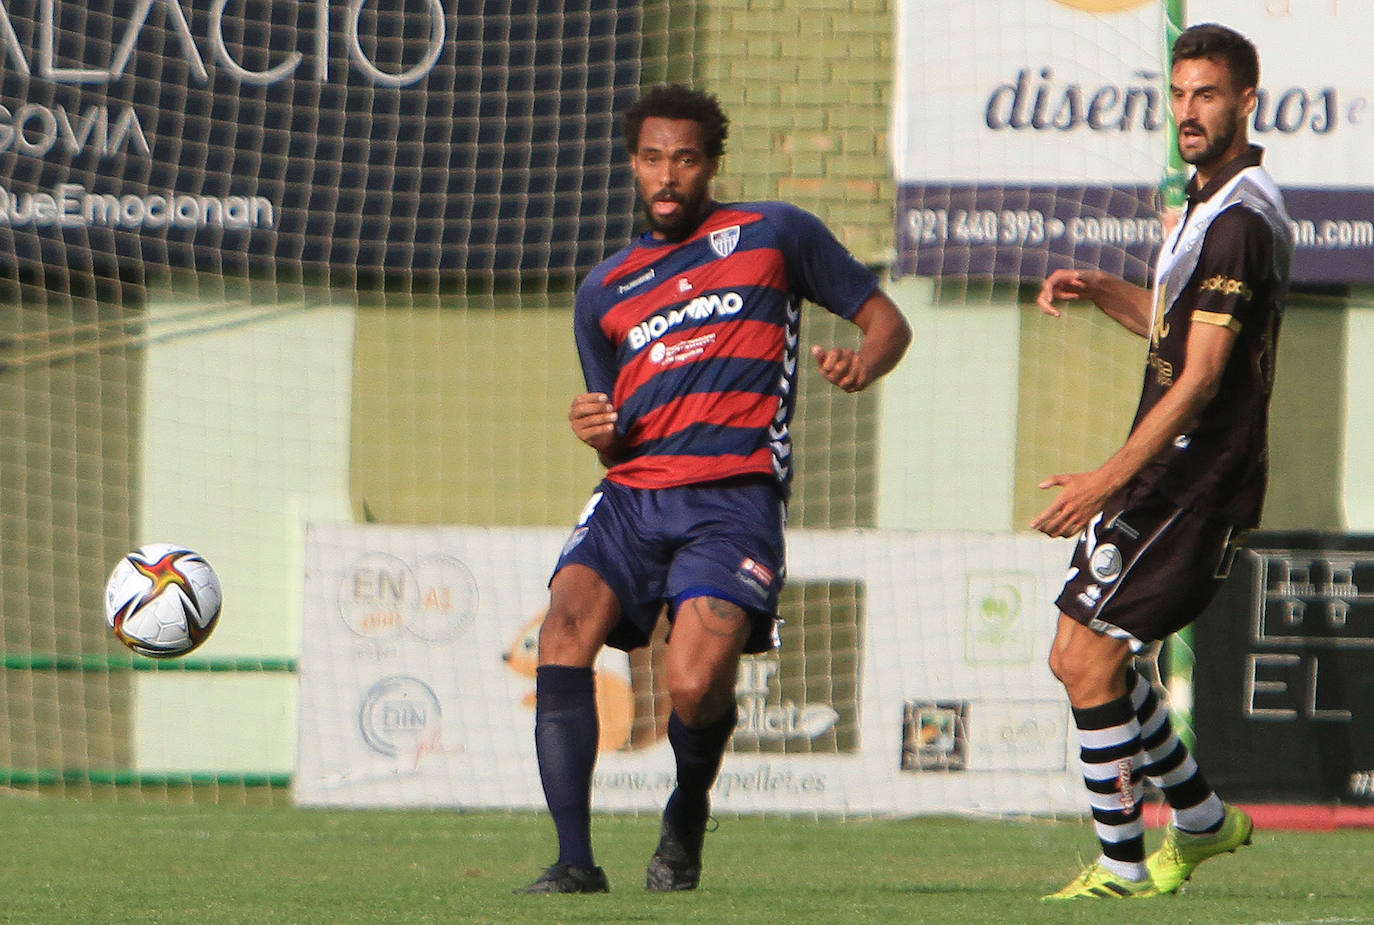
1161 520
689 343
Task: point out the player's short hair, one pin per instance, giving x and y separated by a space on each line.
675 101
1227 46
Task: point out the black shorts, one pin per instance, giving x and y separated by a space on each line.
1143 572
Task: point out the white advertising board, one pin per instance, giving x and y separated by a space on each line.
929 695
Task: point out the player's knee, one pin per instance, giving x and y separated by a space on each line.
689 696
697 701
571 636
1058 666
1089 679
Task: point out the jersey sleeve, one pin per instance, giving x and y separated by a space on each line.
594 351
820 268
1236 262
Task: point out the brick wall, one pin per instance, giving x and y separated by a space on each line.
808 86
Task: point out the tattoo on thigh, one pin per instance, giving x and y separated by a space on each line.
718 617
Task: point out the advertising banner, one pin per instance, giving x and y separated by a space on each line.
1285 667
1029 136
912 678
383 135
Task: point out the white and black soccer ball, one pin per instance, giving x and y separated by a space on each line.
162 600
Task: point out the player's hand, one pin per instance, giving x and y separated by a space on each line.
1060 286
593 417
1084 494
842 367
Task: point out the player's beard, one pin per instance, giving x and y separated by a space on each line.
1216 146
682 223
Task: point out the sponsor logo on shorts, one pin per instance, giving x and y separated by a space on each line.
756 577
1090 596
758 570
1105 564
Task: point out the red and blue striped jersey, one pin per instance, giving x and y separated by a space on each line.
696 341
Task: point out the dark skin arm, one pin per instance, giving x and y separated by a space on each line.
886 335
593 417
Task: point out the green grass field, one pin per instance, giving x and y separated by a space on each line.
126 862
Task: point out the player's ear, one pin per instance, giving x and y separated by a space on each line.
1248 100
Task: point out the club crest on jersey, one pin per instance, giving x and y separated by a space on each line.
724 241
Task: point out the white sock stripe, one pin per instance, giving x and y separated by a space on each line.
1177 776
1115 834
1161 752
1112 735
1111 802
1109 770
1150 725
1199 817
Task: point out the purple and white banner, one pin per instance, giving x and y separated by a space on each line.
431 136
1032 135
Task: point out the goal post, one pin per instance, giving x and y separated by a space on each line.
1177 653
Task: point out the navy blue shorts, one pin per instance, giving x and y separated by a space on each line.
667 545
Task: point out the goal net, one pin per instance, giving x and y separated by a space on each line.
218 224
272 263
290 283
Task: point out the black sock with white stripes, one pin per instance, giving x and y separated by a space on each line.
1169 764
1109 740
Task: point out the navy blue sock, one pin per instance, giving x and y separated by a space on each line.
699 753
565 736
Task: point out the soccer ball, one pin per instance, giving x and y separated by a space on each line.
162 600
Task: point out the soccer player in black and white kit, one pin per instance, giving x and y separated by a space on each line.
1160 521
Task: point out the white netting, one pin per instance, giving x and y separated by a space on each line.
270 262
195 200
